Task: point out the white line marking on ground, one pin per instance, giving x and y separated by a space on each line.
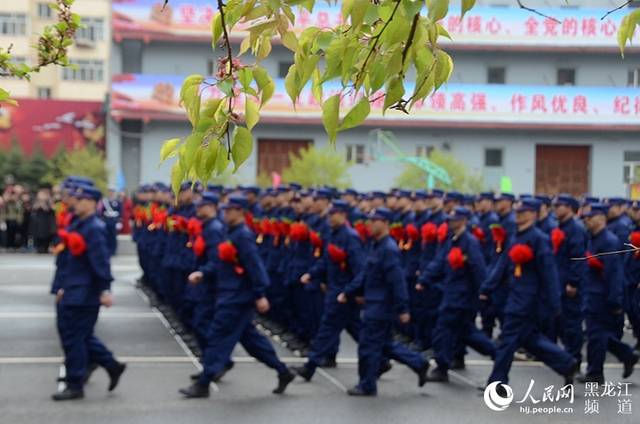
332 379
62 373
51 315
177 338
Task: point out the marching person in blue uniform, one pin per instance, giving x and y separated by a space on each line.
604 298
84 286
111 211
618 222
179 260
531 271
486 217
632 269
241 283
382 286
461 266
546 221
568 241
492 309
342 261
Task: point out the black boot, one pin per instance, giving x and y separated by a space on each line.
329 362
357 391
195 391
586 378
283 381
90 369
458 363
385 367
438 375
628 366
195 377
68 394
217 377
114 374
422 374
303 372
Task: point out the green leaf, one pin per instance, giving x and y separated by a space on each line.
177 175
222 160
169 149
245 76
191 143
290 41
438 9
395 91
358 12
333 58
316 86
190 97
210 108
467 5
444 68
241 147
216 30
265 84
291 85
356 115
330 115
251 113
211 155
5 97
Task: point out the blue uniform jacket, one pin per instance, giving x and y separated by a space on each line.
539 278
87 275
632 266
547 224
486 220
325 270
574 246
382 281
620 227
176 253
603 289
243 288
213 232
460 286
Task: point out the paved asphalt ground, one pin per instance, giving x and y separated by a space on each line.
158 365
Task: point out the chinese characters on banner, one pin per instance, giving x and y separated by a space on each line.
481 26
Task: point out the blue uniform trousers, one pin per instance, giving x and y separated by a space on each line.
80 345
569 327
232 324
201 321
455 330
375 345
520 331
632 308
425 315
307 311
336 317
604 333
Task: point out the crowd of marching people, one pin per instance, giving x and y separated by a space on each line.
410 275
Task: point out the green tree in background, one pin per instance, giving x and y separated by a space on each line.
35 169
313 167
415 178
87 161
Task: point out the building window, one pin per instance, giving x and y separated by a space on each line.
633 79
44 92
496 75
91 31
355 153
631 167
566 76
86 70
13 24
283 69
44 11
493 157
424 151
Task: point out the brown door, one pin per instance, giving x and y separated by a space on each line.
562 169
273 154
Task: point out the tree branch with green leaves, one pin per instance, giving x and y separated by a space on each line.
52 46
